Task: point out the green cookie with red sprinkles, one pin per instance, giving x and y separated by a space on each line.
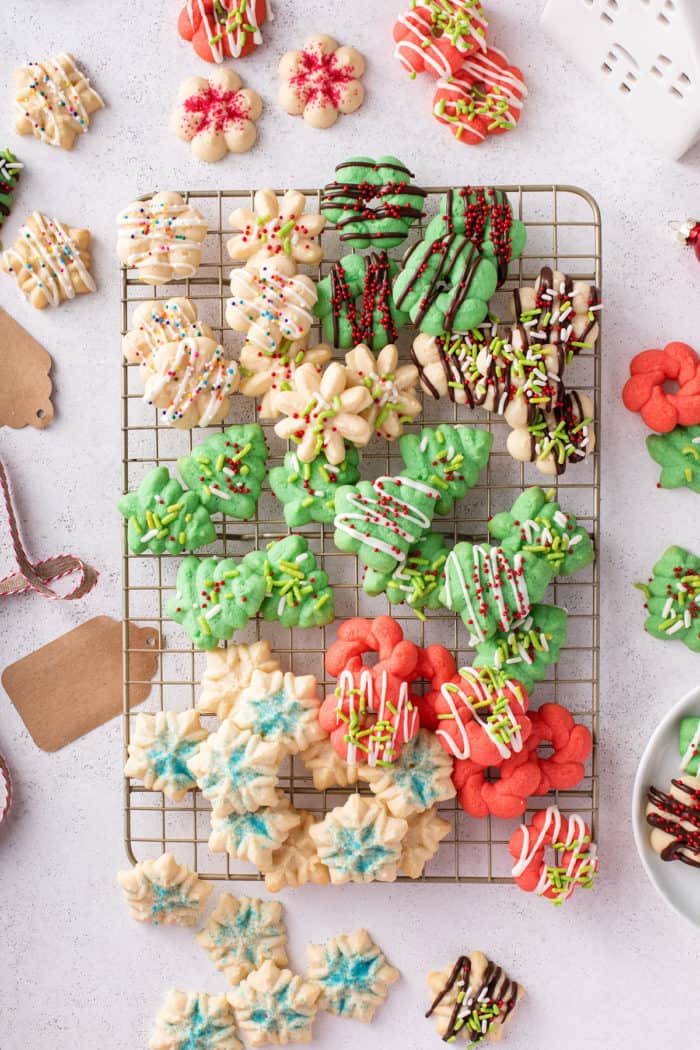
296 591
673 598
214 597
417 582
355 303
372 202
536 523
484 216
227 471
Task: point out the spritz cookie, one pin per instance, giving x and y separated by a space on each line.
253 836
161 237
282 708
216 115
163 891
49 261
420 777
221 29
270 306
54 101
227 471
353 975
161 517
276 229
264 375
472 999
327 768
191 382
159 749
321 81
155 322
360 842
229 671
236 770
392 386
242 932
426 831
275 1006
296 862
195 1019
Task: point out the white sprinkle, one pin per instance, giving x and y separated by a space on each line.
211 613
667 608
219 492
678 626
148 536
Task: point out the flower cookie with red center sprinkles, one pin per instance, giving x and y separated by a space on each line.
673 598
221 29
321 81
435 36
570 840
228 470
372 202
54 101
277 229
485 97
216 115
49 261
308 490
355 302
214 597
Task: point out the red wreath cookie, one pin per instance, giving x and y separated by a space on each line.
518 778
222 29
484 98
644 392
435 36
572 744
570 837
481 716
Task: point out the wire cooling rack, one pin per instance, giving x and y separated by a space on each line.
564 230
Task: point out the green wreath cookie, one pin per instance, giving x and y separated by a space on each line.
417 582
447 457
296 591
526 652
308 490
445 284
355 303
678 455
673 598
536 523
162 517
372 202
227 471
214 597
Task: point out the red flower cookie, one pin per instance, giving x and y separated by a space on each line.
663 410
481 716
506 798
571 742
222 29
436 35
570 838
484 98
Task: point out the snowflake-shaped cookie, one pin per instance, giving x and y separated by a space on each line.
280 707
160 747
263 375
242 932
229 672
321 81
253 836
323 411
163 891
426 831
49 261
189 1020
393 388
237 770
275 1006
327 768
352 973
360 842
216 115
191 382
54 101
277 229
161 237
297 861
419 778
270 307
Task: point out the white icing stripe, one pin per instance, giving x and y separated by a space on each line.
236 39
368 512
692 748
577 867
505 750
405 717
52 244
61 96
159 229
489 563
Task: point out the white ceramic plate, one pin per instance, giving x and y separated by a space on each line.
677 883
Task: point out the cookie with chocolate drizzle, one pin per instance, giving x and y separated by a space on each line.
355 303
560 311
558 437
674 818
474 998
372 203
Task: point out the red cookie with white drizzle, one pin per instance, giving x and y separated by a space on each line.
220 29
481 716
570 838
484 98
674 818
435 35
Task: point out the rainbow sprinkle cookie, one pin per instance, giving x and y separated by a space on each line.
161 237
54 101
242 932
236 770
673 598
270 306
195 1019
360 842
161 517
472 999
49 261
227 471
352 973
164 892
191 382
160 748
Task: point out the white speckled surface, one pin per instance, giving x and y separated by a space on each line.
74 971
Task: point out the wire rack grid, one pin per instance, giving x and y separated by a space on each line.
564 230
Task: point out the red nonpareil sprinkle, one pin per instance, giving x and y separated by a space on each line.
320 78
216 110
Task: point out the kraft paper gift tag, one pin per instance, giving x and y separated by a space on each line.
25 386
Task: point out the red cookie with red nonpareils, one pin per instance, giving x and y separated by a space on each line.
220 29
485 97
576 862
435 36
647 392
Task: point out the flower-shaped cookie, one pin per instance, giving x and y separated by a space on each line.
156 322
270 307
360 842
237 770
229 672
163 891
221 29
216 115
353 975
322 411
280 707
321 81
160 747
297 861
242 932
195 1019
277 229
420 777
191 382
253 836
49 261
393 388
161 237
275 1006
426 831
263 374
54 101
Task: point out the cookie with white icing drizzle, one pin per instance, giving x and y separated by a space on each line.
473 999
221 29
49 261
536 523
191 382
270 306
54 101
161 237
156 322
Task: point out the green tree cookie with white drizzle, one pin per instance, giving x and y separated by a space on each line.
417 582
536 523
296 591
308 490
227 471
527 651
672 598
447 457
215 597
161 517
678 455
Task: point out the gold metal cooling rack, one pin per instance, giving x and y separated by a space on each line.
564 230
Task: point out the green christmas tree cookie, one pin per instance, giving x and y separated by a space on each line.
678 455
536 523
381 520
689 745
296 591
227 471
215 597
484 216
164 518
447 457
355 304
308 490
673 598
417 582
491 591
372 202
529 650
10 169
